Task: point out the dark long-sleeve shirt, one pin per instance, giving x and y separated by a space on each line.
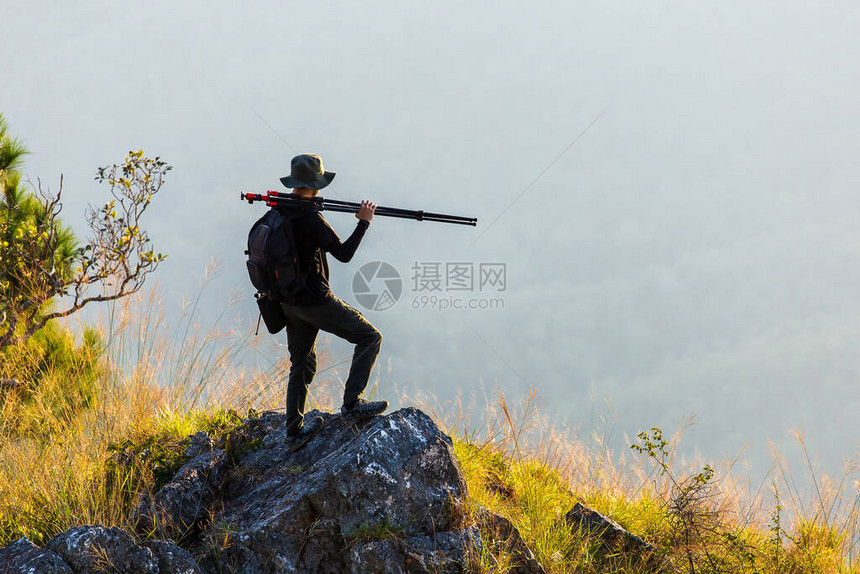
314 238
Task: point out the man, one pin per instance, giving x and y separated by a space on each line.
315 307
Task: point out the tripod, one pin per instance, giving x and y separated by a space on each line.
275 199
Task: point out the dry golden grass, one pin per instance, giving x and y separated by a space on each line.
152 380
156 382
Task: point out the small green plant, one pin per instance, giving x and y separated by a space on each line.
219 539
654 446
293 469
776 531
373 532
160 449
221 422
160 455
695 530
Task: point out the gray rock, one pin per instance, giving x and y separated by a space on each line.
177 508
172 559
85 549
22 556
298 512
615 539
198 443
96 548
505 536
588 521
445 552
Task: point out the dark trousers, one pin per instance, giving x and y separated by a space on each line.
303 325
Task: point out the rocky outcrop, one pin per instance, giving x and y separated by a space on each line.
587 521
178 507
381 495
443 552
506 538
390 480
96 549
614 539
24 556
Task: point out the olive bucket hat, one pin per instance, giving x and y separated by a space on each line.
306 170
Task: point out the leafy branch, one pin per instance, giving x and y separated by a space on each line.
40 261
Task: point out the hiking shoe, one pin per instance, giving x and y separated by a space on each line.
363 409
309 430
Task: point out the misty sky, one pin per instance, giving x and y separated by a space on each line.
694 251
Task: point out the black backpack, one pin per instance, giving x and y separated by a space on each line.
273 266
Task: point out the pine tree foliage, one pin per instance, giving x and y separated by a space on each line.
45 272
